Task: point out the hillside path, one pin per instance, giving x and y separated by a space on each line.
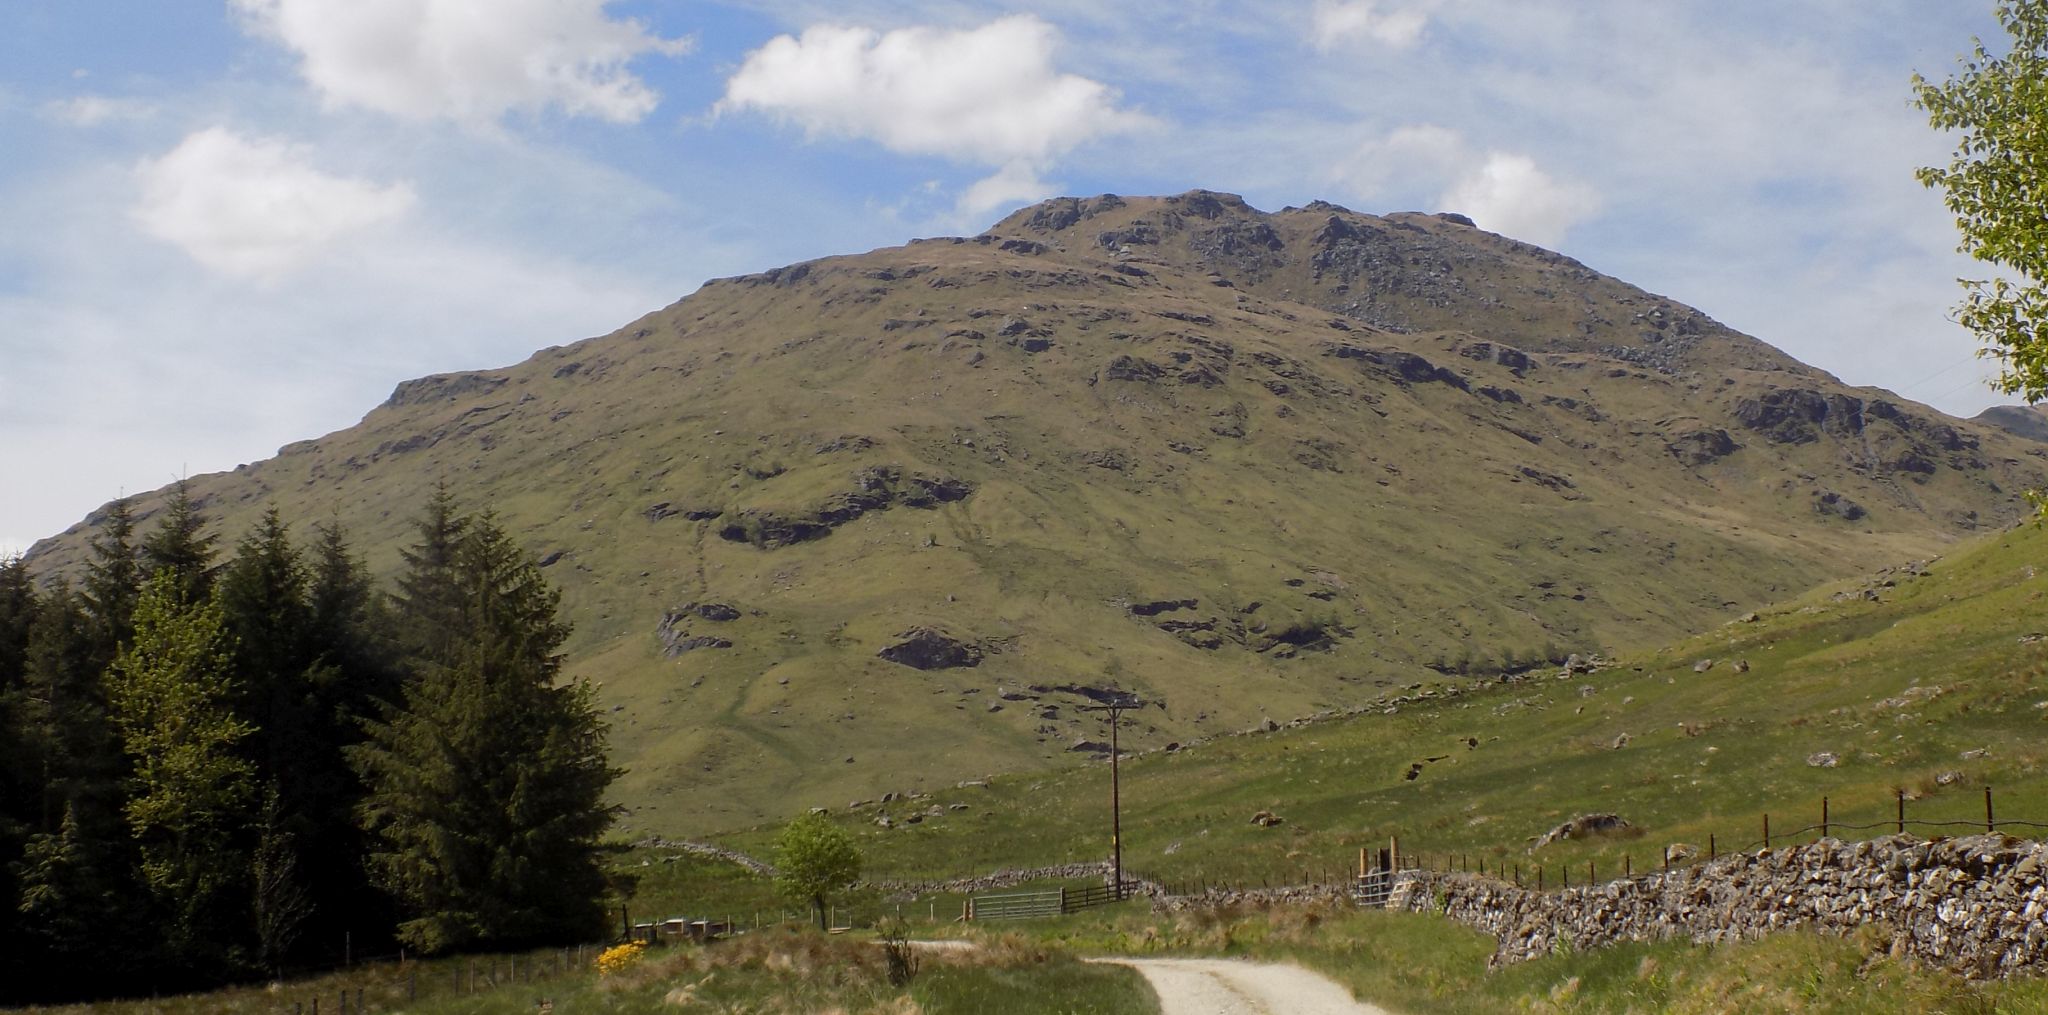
1230 987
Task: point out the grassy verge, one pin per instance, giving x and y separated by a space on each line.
782 970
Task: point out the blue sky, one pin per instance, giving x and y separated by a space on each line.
226 226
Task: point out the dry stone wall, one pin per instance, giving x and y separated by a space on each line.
1974 905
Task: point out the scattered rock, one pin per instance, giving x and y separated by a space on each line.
1702 446
1585 826
1619 742
1703 666
1266 819
1742 666
1157 607
924 648
1823 759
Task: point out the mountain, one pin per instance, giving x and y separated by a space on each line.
2027 421
884 521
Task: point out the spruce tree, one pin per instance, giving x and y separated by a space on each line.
17 616
18 785
180 546
262 596
354 677
171 690
429 601
78 893
76 758
486 782
113 579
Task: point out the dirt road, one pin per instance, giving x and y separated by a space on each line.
1225 987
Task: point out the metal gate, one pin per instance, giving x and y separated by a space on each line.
1375 880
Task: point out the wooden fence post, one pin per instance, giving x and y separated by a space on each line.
1711 852
1823 817
1628 866
1767 830
1990 823
1902 812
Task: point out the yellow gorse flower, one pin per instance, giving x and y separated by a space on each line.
619 958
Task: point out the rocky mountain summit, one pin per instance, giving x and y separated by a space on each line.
808 522
2028 421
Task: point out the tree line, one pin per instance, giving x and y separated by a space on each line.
214 767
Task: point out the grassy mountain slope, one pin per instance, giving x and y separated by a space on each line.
1931 679
1249 465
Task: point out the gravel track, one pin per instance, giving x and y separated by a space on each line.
1227 987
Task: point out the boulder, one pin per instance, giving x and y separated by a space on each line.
1585 826
924 648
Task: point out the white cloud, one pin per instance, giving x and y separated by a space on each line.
255 207
1505 192
93 110
1336 23
987 95
470 61
1508 194
1014 184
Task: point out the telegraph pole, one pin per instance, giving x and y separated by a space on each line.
1116 710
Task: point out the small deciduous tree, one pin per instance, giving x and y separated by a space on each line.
1996 185
813 859
171 690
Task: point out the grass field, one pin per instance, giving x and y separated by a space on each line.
1935 689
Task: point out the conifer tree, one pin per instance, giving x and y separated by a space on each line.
18 786
76 758
180 546
429 601
486 783
355 677
17 615
113 578
262 596
171 690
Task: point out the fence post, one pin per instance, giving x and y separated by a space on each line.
1823 817
1711 851
1667 858
1990 822
1628 866
1592 875
1564 873
1902 811
1518 875
1539 877
1767 829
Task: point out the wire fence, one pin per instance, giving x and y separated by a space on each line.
1544 877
